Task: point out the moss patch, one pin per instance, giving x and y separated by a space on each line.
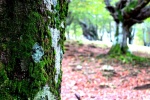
131 6
25 23
125 59
117 50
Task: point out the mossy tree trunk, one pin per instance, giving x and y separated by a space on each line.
120 42
127 13
31 49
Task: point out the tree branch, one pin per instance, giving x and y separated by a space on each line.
137 9
69 19
121 4
144 13
107 2
140 1
109 7
135 15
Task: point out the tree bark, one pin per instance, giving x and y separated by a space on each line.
110 31
131 35
146 36
120 42
31 49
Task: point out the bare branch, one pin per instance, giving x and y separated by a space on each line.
109 7
107 2
112 10
69 19
137 9
141 16
121 4
137 14
140 1
144 13
142 4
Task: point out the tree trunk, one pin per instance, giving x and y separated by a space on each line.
68 36
102 32
120 42
146 36
131 34
110 31
128 12
75 31
31 49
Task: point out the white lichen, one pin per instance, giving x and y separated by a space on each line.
55 34
62 24
119 38
37 52
49 4
54 2
44 94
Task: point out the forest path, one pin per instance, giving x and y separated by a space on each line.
83 76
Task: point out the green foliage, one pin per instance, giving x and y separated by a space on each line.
140 28
131 5
92 10
5 96
130 58
147 29
138 39
147 20
117 50
3 74
120 17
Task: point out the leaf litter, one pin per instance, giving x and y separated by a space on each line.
83 79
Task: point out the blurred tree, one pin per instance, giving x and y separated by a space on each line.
92 11
126 13
31 49
131 35
69 20
89 30
146 33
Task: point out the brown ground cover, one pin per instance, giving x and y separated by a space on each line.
82 76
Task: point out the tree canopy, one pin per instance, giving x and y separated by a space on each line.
129 11
93 10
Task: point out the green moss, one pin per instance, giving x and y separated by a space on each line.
5 96
20 77
117 50
123 55
131 6
132 59
120 16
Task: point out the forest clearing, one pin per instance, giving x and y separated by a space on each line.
82 76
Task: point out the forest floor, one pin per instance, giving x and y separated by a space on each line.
84 78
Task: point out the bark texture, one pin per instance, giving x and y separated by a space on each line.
31 49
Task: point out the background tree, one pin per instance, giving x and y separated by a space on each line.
69 20
146 33
31 49
89 30
88 11
126 13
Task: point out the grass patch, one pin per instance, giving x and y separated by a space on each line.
125 59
